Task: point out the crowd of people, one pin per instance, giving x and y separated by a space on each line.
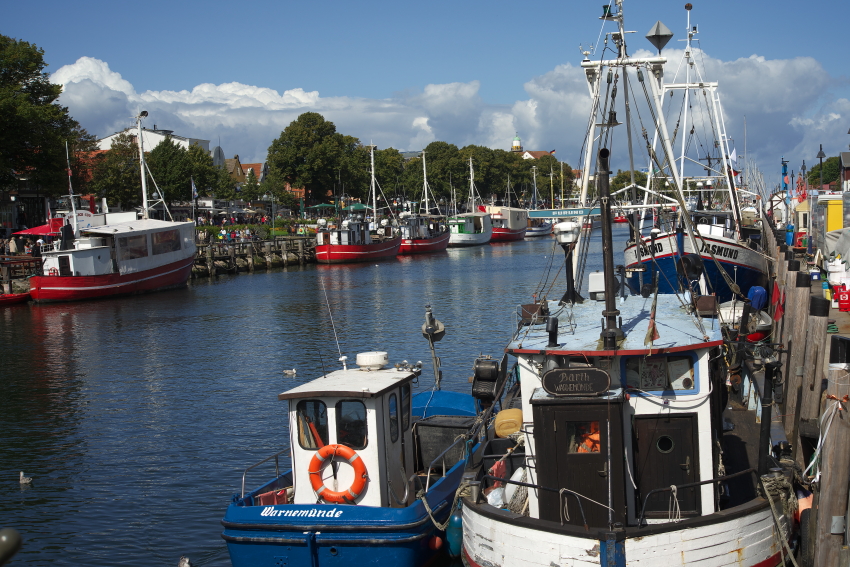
16 245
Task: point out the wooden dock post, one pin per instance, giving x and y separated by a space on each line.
284 251
835 454
797 307
211 258
250 257
784 326
6 278
301 259
232 251
268 254
808 410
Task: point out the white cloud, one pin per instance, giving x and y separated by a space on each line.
790 105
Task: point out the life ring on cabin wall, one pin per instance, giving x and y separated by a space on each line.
53 272
360 476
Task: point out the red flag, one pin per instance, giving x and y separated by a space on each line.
780 308
91 204
774 295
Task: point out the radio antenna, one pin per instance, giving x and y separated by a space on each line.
333 326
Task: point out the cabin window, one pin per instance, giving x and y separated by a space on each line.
661 373
393 418
312 417
132 247
165 241
583 436
405 407
351 427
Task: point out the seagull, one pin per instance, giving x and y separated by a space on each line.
25 479
184 562
290 372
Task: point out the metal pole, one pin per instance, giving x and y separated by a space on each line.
611 333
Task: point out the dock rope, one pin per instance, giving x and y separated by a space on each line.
463 490
777 487
674 512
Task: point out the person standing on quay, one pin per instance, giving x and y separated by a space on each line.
13 246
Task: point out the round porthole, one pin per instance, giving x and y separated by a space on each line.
664 444
333 551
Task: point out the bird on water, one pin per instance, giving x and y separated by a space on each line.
25 479
290 372
184 562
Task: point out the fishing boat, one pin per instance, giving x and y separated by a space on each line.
536 226
353 241
117 258
620 219
13 298
422 232
509 223
473 228
727 239
633 450
374 470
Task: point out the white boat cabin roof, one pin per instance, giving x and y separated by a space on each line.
133 226
677 329
352 383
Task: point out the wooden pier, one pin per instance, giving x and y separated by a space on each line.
220 257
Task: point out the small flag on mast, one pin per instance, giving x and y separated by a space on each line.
194 189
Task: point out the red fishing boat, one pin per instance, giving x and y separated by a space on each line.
120 258
13 298
620 219
509 223
352 241
422 234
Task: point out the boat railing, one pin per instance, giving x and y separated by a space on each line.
255 465
561 492
442 455
642 518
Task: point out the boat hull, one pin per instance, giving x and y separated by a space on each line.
350 253
424 245
745 266
268 536
739 537
75 288
14 298
460 240
543 229
508 235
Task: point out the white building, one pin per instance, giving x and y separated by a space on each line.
152 139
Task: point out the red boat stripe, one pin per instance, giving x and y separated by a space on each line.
120 284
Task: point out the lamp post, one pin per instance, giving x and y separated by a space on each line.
820 156
566 233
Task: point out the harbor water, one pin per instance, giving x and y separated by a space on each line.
136 416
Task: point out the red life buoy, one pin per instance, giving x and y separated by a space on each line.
53 272
317 464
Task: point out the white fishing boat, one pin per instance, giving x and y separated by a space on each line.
473 228
633 451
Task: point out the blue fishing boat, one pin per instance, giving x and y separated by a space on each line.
374 469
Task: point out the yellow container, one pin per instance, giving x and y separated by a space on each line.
508 421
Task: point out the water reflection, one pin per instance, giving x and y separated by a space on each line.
136 416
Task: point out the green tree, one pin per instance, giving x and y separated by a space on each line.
34 125
116 174
171 169
209 179
623 179
251 188
310 153
831 172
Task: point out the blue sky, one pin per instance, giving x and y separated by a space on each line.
403 74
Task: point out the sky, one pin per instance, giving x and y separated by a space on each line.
405 74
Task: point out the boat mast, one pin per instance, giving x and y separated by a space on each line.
374 196
71 189
471 187
142 114
534 198
425 184
687 90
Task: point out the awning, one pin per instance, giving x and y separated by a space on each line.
50 228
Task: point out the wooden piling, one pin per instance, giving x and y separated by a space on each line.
301 259
232 251
267 247
6 278
250 257
797 307
211 258
810 388
835 454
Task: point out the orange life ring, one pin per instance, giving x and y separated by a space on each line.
360 476
53 272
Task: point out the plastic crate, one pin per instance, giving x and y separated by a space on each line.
435 434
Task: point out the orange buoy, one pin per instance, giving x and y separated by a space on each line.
317 464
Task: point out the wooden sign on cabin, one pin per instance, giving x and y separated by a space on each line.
576 382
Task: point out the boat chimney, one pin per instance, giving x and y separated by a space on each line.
612 332
566 233
552 329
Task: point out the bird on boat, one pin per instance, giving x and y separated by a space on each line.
184 562
25 479
290 372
